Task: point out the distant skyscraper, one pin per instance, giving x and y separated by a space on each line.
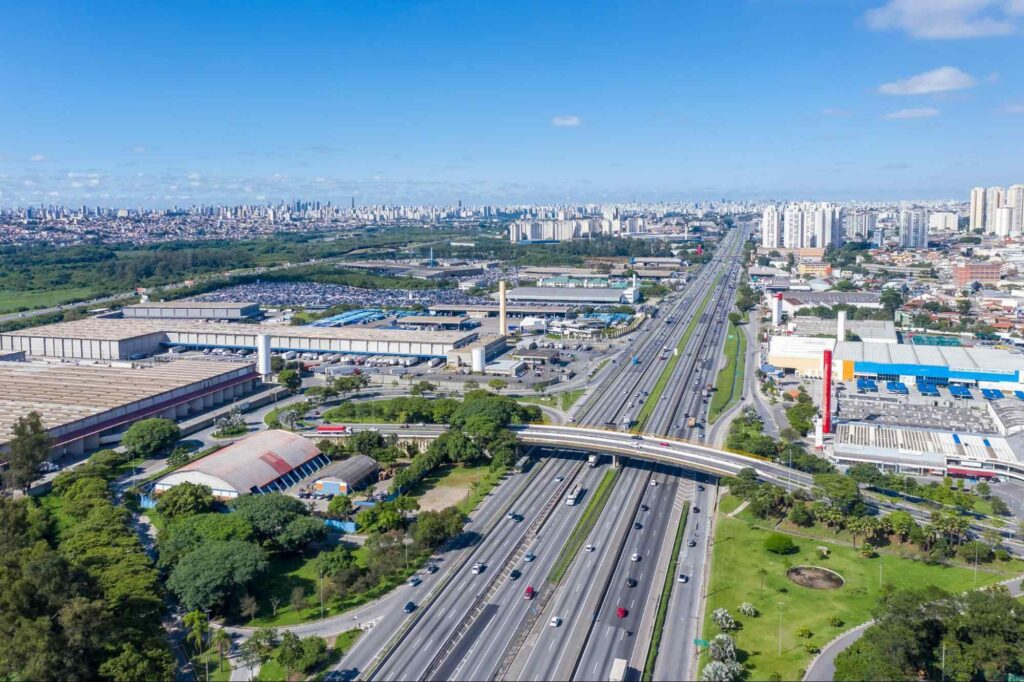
1002 221
771 227
977 208
1015 202
993 200
793 226
913 229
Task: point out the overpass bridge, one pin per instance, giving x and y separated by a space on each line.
663 449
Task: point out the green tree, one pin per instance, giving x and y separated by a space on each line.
198 625
185 499
433 529
221 640
290 379
149 437
340 507
336 561
280 522
735 318
186 533
776 543
208 577
27 449
497 384
130 664
842 493
891 300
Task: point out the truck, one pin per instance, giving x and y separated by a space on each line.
691 422
288 355
591 461
618 672
574 495
636 360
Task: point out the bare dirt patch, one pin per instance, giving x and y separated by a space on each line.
815 577
442 497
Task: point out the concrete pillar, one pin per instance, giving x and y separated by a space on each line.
92 442
615 462
207 401
182 410
218 397
170 413
195 406
238 389
75 448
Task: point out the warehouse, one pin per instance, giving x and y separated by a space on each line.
575 296
111 339
491 310
86 406
799 354
456 322
878 331
267 461
929 365
192 310
341 478
793 301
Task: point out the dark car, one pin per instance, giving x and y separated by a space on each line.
691 543
514 575
637 525
644 507
409 607
630 582
431 568
696 510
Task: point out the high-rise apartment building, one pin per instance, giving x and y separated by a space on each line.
1015 202
1002 223
977 220
913 229
994 199
859 224
771 227
793 226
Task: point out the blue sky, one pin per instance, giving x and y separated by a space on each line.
187 102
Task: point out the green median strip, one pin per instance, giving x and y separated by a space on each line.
729 384
670 364
666 593
583 527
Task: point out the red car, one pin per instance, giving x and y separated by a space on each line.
528 594
664 445
621 612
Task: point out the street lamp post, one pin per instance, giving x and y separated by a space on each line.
780 627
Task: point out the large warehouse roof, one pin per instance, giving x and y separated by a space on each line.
231 305
572 294
119 330
246 465
954 357
65 394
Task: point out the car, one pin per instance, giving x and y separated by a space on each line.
696 510
529 592
691 543
637 525
510 515
559 479
431 568
530 556
644 507
683 578
414 581
653 483
555 621
514 575
635 556
621 612
630 582
403 426
409 607
589 548
700 487
663 444
478 568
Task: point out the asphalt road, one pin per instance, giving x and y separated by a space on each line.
412 658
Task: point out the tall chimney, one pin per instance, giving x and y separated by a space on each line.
777 310
826 391
841 327
502 311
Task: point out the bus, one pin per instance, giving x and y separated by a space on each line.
574 495
522 464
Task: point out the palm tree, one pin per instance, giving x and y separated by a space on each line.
762 573
198 625
222 640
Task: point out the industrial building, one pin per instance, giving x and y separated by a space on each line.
877 331
192 310
491 310
929 365
341 478
794 301
84 407
456 322
265 462
575 296
111 339
476 354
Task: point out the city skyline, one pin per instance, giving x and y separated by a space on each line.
432 103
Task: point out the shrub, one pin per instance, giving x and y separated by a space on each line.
776 543
748 609
723 619
835 621
805 633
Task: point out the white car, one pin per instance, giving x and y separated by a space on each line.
635 557
589 548
478 568
555 621
530 556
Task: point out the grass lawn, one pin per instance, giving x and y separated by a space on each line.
670 364
562 401
13 301
569 398
737 556
728 504
729 384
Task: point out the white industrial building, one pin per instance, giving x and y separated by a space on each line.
191 310
112 339
575 296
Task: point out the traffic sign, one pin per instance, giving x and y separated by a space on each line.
704 642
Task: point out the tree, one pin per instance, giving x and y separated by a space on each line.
301 655
149 437
26 451
198 626
185 499
734 318
186 533
723 619
842 493
248 606
999 508
497 384
208 577
776 543
290 379
280 523
902 524
340 507
800 516
336 561
297 599
129 665
722 648
433 529
222 641
718 671
891 300
421 387
748 609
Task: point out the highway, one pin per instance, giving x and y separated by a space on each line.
439 618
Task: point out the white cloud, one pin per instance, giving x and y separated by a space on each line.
37 158
947 19
942 79
139 150
566 121
193 176
927 112
1014 109
835 113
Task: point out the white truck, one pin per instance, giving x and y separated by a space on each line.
591 461
618 673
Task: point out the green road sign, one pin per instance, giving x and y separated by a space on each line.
704 642
1010 677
